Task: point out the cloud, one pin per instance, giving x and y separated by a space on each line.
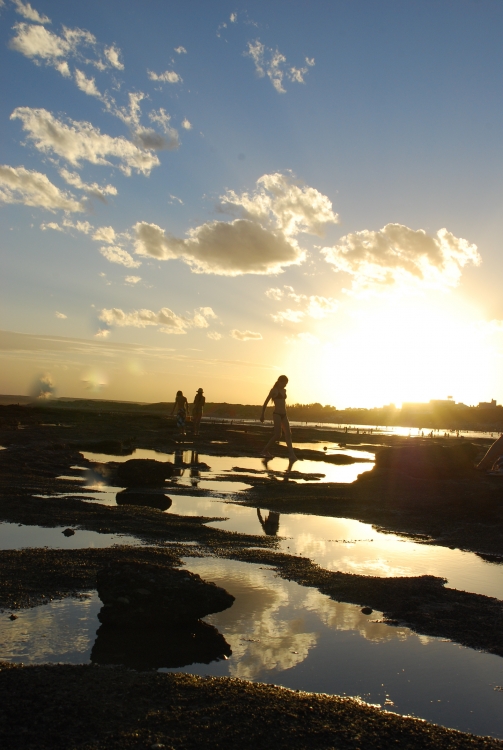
274 293
112 54
180 50
292 316
81 141
313 306
61 315
20 185
169 76
245 335
132 279
149 138
186 124
214 335
272 63
175 198
81 226
233 17
25 10
166 319
201 317
105 234
116 254
87 85
284 203
397 256
41 45
93 189
103 333
227 249
260 241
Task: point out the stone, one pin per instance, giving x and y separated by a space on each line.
141 472
68 532
12 617
140 595
145 496
428 461
367 610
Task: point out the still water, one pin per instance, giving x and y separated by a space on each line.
284 634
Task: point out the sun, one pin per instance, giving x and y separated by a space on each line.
397 350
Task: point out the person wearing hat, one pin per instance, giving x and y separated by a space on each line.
197 409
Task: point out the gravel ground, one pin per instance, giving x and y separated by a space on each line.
94 708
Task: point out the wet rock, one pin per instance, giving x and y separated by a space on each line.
139 472
367 610
144 496
159 647
68 532
428 461
110 447
135 596
12 617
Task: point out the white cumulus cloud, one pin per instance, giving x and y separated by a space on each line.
402 257
245 335
214 335
117 254
180 50
112 54
132 279
105 234
60 315
169 76
87 85
261 241
26 10
186 124
93 189
81 141
31 188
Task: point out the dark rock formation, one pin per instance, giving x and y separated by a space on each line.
135 596
196 643
428 461
141 472
145 496
110 447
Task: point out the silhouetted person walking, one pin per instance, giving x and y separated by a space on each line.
277 394
181 406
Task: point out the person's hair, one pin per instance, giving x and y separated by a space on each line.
179 393
283 378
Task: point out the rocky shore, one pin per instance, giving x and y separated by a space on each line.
430 495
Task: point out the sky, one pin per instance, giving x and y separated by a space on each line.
214 194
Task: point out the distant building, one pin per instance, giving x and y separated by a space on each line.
487 404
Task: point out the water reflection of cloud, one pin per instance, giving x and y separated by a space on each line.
260 626
62 631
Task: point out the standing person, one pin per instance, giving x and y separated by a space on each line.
181 406
197 409
277 394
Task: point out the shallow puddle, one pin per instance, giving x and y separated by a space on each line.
188 473
285 634
16 536
351 546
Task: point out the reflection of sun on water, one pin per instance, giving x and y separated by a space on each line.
391 351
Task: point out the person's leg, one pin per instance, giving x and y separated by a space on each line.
276 434
494 452
288 437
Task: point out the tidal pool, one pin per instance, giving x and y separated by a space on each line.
350 546
17 536
285 634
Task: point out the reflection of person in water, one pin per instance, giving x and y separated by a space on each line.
269 524
277 394
181 406
195 476
179 469
197 409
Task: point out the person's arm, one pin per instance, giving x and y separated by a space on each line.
264 406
